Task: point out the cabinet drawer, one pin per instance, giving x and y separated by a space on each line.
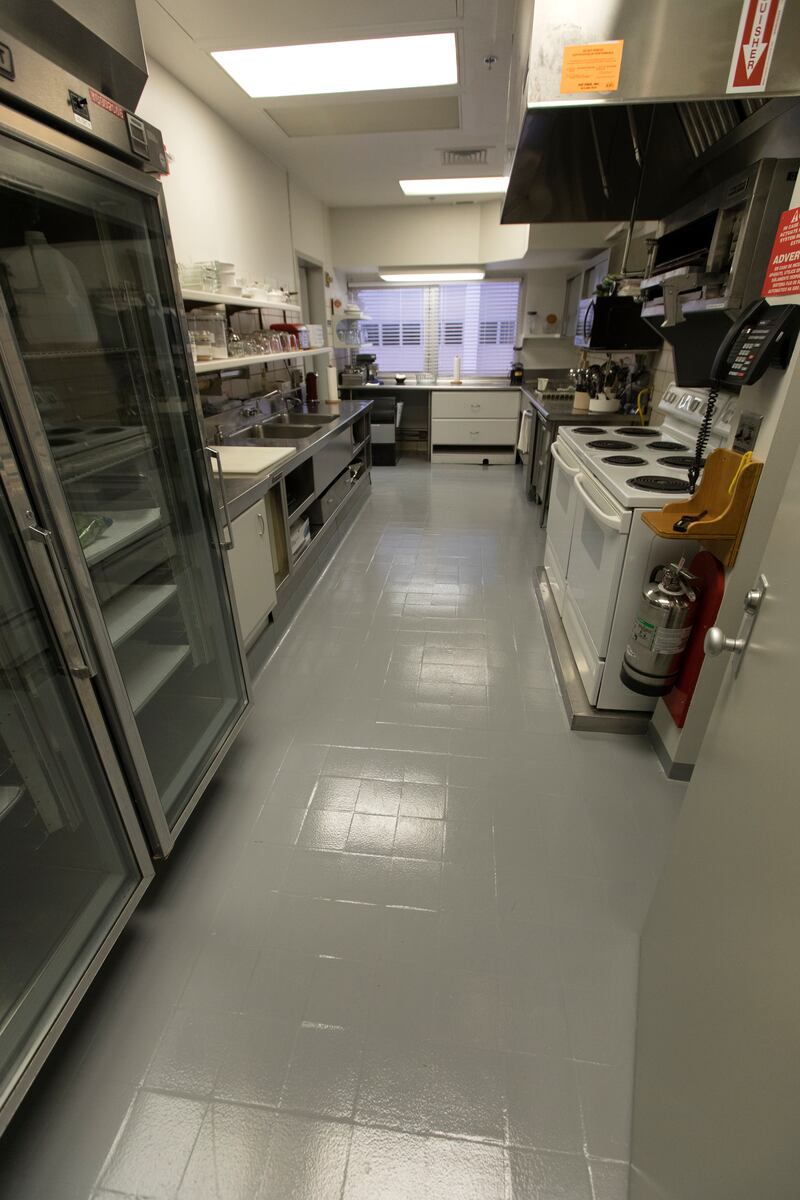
479 432
472 405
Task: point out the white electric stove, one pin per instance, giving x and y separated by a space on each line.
599 553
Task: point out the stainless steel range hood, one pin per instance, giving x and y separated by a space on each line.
578 158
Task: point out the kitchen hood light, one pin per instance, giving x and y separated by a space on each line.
483 185
368 65
471 276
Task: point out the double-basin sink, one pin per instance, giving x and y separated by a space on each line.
285 428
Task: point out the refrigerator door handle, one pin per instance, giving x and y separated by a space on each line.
227 544
83 666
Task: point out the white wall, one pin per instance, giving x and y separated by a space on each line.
310 224
225 199
417 235
545 292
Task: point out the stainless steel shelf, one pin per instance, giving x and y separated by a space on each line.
237 301
250 360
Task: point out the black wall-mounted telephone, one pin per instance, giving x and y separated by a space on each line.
764 336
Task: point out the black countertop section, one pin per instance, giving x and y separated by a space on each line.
562 412
243 491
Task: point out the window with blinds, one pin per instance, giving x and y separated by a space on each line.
424 328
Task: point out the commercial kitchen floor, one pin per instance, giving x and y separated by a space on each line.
394 953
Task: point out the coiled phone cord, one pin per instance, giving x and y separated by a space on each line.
703 434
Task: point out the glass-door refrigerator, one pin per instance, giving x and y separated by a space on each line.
101 401
73 858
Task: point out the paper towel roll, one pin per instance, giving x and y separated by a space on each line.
333 385
457 369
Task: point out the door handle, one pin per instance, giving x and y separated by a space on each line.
262 525
227 544
717 642
83 667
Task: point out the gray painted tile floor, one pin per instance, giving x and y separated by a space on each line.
395 951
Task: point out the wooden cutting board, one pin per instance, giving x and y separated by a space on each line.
255 460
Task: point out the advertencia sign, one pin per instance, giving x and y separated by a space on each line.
783 272
755 45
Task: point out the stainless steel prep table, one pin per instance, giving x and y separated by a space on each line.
243 491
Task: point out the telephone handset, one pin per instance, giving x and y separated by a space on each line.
764 336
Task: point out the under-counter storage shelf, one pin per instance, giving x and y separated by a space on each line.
146 668
251 360
134 606
299 488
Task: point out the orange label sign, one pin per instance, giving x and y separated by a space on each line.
591 68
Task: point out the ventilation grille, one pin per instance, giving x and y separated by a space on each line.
464 158
706 122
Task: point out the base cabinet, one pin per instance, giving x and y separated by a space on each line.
474 426
252 569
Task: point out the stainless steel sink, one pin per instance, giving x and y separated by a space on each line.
272 431
315 419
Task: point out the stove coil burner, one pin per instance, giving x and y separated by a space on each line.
666 445
625 460
639 431
610 444
587 429
678 460
658 483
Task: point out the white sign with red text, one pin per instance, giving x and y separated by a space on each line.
755 45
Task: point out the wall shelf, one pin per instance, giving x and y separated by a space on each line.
250 360
238 301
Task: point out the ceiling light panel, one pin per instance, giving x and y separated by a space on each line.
368 65
478 185
432 276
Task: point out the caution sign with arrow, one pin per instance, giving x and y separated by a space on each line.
755 45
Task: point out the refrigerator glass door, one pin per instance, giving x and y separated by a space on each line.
86 279
68 869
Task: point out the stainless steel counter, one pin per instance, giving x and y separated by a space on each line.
243 491
465 386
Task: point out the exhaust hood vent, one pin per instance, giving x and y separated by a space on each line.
706 122
464 158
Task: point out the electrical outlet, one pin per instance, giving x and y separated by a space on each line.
747 432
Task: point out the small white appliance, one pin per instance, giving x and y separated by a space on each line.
599 554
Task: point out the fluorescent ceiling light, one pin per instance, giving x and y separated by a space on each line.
369 65
455 187
432 276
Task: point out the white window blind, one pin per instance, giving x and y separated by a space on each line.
424 328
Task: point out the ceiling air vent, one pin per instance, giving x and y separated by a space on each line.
464 158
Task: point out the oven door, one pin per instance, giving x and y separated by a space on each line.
560 519
596 557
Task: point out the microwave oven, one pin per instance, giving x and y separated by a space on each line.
613 323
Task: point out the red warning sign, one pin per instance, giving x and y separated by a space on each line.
755 45
783 271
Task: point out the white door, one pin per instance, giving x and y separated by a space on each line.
252 569
597 551
718 1042
560 518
